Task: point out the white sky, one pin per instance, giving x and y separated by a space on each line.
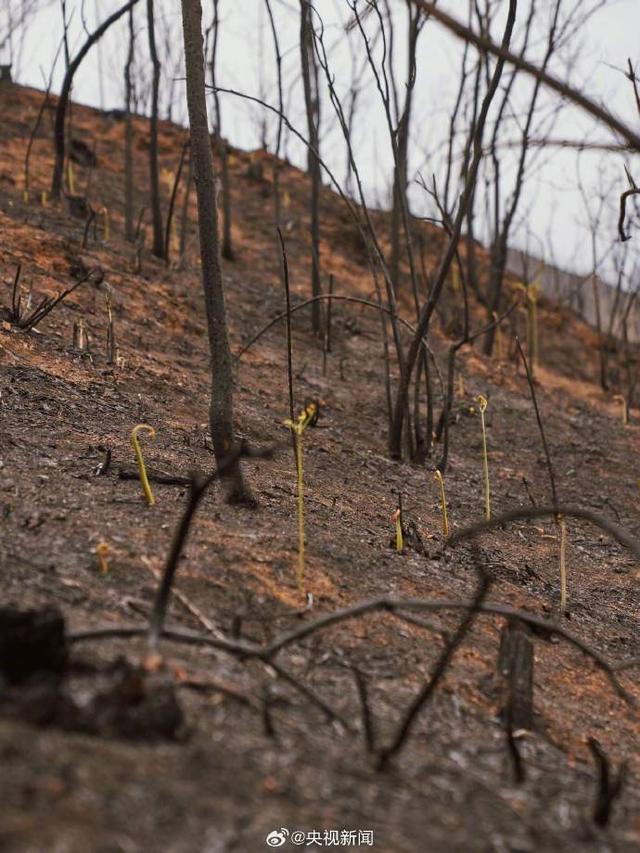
552 209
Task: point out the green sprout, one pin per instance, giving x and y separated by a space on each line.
499 337
105 221
397 520
562 524
71 180
482 404
297 428
146 488
443 503
624 408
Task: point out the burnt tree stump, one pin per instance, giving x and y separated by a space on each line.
515 665
31 642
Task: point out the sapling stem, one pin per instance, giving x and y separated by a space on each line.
443 503
624 410
482 404
397 520
297 428
105 215
71 183
532 324
112 349
146 488
562 524
499 338
102 553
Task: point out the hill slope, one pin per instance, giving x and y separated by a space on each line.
253 753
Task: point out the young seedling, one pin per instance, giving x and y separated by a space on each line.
79 335
44 198
443 503
562 525
146 488
482 405
396 517
102 553
624 408
532 324
71 182
297 427
105 222
455 279
499 338
112 349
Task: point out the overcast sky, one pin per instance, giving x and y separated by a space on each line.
553 214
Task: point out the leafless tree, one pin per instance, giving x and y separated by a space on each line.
154 176
59 140
221 143
129 228
402 396
312 107
221 408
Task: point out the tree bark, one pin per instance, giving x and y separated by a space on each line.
156 212
221 408
311 96
129 228
400 180
221 145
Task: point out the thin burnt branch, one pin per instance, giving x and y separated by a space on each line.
623 213
287 297
609 784
199 485
365 706
311 695
405 727
534 400
619 533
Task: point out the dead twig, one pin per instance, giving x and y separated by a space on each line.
620 534
405 727
609 784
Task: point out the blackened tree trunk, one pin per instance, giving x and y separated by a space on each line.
221 409
221 145
63 101
129 227
156 211
400 181
312 106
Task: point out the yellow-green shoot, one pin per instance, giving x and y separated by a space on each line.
146 488
105 222
562 524
624 408
397 520
443 503
298 427
532 324
482 405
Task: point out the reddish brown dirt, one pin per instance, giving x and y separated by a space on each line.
225 784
